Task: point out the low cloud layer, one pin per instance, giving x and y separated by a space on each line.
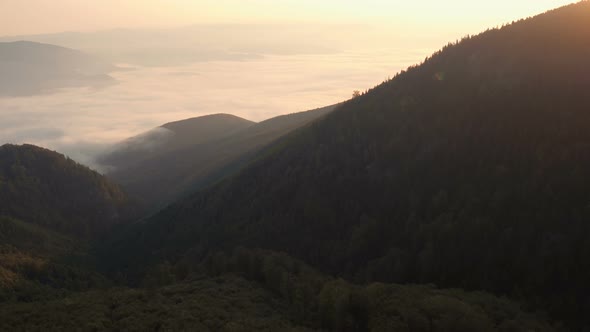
81 122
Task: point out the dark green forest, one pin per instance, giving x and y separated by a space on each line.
48 189
452 197
51 209
253 290
469 170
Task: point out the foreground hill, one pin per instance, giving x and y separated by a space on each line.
471 170
28 68
264 291
50 208
183 156
45 188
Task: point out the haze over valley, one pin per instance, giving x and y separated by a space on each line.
187 81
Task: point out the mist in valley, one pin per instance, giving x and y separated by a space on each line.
157 76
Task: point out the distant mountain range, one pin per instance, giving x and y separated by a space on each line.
28 68
208 42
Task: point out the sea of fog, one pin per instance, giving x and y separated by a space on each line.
80 122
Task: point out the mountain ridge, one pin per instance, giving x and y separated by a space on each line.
169 137
186 168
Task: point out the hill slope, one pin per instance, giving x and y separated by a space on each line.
200 153
45 188
471 170
51 208
169 137
28 68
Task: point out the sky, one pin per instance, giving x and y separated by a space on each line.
22 17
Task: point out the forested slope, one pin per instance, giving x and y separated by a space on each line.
199 152
43 187
253 290
51 208
133 152
470 170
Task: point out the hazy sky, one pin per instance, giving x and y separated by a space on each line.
47 16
